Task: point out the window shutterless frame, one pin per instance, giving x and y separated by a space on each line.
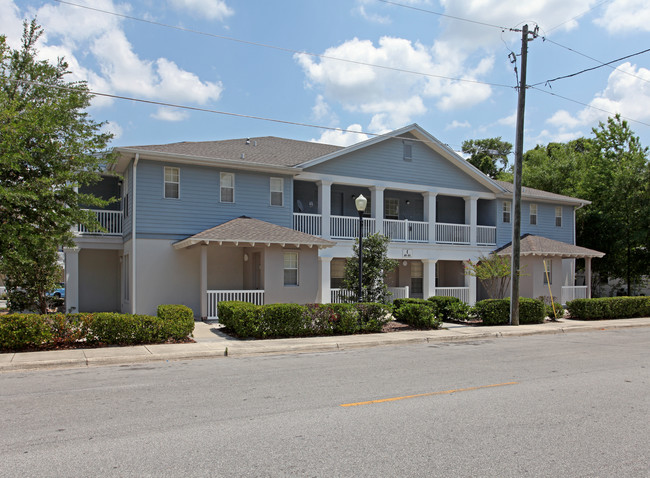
277 191
533 214
290 268
506 211
558 216
171 183
227 187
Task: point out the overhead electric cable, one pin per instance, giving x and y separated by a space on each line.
461 19
591 69
283 49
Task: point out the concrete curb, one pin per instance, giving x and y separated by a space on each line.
221 347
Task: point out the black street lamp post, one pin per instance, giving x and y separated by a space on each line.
360 204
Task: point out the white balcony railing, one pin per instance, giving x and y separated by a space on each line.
461 293
347 227
338 296
406 231
216 296
452 233
308 223
110 221
486 235
570 293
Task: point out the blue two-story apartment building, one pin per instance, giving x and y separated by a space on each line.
273 220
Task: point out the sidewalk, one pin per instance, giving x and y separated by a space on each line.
211 343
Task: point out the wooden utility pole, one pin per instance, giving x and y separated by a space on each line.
516 190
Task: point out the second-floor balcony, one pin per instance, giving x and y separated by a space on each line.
347 227
110 222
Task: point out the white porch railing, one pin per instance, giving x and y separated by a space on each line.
486 235
308 223
452 233
216 296
399 292
338 296
111 221
406 231
461 293
570 293
347 227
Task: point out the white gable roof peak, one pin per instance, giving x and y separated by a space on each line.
427 139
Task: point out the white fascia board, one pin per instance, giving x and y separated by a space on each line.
350 181
568 201
436 252
203 161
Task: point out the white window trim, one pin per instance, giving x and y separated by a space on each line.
533 206
297 269
407 145
549 266
395 201
281 191
221 176
507 207
165 182
558 216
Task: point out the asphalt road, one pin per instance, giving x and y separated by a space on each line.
547 405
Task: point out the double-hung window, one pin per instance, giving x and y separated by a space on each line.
407 150
277 192
533 214
506 211
558 216
391 208
417 271
548 268
290 268
172 183
227 187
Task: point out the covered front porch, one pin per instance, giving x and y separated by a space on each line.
255 261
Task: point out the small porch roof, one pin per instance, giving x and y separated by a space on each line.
247 231
532 245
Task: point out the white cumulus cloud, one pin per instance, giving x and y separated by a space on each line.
211 9
340 137
625 16
169 114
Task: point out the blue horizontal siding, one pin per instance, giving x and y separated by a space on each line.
199 207
384 161
545 226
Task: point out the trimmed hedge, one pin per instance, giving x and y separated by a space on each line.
421 316
33 331
446 307
609 308
497 311
293 320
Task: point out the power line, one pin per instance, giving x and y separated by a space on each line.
461 19
283 49
593 68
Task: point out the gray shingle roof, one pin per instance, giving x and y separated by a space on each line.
263 150
532 193
247 231
532 245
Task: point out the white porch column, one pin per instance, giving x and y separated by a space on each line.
71 279
470 281
428 278
204 282
471 217
325 206
377 206
324 274
588 276
430 214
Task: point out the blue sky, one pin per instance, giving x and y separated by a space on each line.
262 75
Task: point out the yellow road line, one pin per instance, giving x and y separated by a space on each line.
444 392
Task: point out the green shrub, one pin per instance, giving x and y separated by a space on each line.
322 318
178 320
126 329
446 306
397 306
242 318
397 303
345 318
497 311
372 316
421 316
285 320
609 308
559 310
21 331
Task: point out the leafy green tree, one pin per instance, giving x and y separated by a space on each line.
49 146
490 155
493 272
376 265
612 171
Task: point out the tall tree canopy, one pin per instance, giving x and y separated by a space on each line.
490 155
48 148
612 171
